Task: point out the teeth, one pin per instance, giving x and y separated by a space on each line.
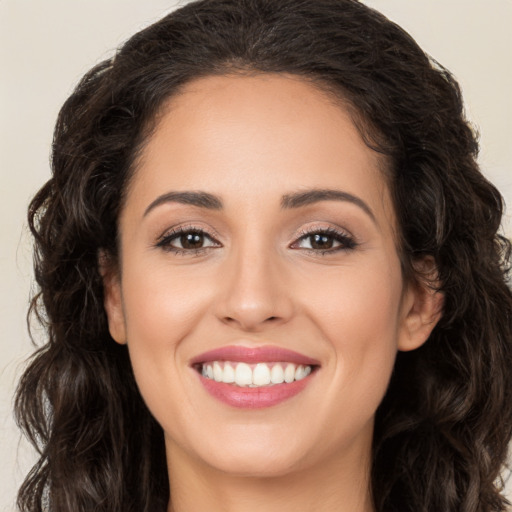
300 373
243 374
277 374
218 373
289 373
261 374
229 374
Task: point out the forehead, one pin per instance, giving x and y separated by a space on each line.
257 137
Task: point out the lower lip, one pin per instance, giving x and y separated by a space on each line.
253 398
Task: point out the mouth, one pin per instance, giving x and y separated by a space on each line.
254 377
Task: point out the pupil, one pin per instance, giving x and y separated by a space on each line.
192 240
321 242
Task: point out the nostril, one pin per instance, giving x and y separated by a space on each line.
269 319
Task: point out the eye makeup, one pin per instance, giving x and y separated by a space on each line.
324 240
193 240
187 240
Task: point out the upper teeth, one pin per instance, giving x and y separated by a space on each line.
260 374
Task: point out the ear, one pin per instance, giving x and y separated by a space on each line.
112 298
422 306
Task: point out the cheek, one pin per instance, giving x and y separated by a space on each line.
358 313
160 305
356 300
160 309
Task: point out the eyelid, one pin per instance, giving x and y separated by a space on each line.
186 227
323 228
345 240
344 237
175 231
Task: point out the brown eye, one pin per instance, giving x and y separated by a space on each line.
320 241
187 240
191 240
325 241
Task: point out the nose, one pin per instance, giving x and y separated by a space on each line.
253 292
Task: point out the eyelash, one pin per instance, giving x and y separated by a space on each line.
346 241
165 241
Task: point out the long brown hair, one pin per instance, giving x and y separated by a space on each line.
442 430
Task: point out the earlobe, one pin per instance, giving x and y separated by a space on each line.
422 309
112 299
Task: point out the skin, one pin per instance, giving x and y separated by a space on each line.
250 140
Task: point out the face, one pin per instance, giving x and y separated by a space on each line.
260 291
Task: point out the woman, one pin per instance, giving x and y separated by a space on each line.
270 274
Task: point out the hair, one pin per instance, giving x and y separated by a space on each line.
442 430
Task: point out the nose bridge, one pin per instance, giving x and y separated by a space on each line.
253 288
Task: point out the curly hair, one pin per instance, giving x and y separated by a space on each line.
442 431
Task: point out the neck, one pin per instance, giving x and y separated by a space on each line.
341 484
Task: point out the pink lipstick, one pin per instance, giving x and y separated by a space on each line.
254 355
254 377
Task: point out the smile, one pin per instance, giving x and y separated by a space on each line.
254 377
258 375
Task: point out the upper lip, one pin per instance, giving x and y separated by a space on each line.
263 354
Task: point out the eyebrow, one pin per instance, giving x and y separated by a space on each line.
307 197
288 201
199 199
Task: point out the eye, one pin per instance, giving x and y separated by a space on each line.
187 240
324 241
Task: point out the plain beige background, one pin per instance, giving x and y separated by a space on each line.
45 47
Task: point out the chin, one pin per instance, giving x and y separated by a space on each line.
253 450
256 463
